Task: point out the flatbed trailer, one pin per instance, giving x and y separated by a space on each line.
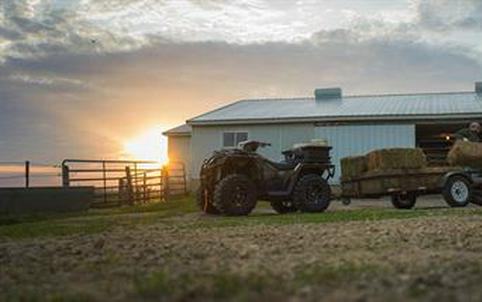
459 186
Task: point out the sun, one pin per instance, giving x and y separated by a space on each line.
149 145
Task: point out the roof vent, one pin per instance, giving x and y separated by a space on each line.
478 87
327 93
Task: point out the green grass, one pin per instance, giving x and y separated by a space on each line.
103 220
37 296
92 221
176 206
333 216
244 287
217 286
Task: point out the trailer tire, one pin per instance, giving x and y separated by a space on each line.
476 197
284 207
457 191
404 201
312 194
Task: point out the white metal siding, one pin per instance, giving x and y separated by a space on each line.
179 149
205 140
360 139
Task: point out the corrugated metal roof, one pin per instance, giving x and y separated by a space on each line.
369 107
183 129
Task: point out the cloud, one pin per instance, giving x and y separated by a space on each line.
445 15
78 77
47 80
446 26
32 29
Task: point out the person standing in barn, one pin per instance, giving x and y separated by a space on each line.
471 134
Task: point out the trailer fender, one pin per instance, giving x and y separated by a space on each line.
448 175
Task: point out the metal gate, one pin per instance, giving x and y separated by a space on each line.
175 179
118 182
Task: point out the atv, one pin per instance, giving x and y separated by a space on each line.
233 180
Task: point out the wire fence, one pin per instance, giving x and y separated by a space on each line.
29 174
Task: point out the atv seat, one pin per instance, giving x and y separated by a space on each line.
282 166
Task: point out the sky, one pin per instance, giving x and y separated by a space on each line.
98 79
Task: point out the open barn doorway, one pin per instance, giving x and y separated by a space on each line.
437 138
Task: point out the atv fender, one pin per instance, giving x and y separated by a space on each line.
301 169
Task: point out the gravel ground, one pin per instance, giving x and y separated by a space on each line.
184 258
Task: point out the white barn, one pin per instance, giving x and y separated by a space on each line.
352 124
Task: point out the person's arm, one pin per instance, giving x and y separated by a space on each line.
461 135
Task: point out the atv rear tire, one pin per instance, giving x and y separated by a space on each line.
283 207
205 203
404 201
457 191
312 194
235 195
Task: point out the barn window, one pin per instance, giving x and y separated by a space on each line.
232 139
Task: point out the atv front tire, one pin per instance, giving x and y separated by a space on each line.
235 195
204 201
312 194
283 207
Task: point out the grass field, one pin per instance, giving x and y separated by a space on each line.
169 251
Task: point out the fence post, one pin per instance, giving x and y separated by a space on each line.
144 184
27 174
136 182
104 176
122 191
166 182
65 176
184 178
130 192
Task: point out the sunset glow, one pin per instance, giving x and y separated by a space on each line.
149 145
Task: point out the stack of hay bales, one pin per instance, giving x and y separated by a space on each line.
383 161
383 169
466 154
396 158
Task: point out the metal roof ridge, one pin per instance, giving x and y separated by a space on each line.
408 94
358 96
281 99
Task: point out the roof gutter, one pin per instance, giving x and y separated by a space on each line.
176 134
378 118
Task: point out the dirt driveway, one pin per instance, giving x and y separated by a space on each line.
365 252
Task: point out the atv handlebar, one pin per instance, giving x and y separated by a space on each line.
252 146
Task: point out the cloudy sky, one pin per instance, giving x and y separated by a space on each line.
81 78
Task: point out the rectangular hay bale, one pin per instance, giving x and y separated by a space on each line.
396 158
466 154
353 166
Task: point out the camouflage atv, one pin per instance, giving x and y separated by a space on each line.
233 180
